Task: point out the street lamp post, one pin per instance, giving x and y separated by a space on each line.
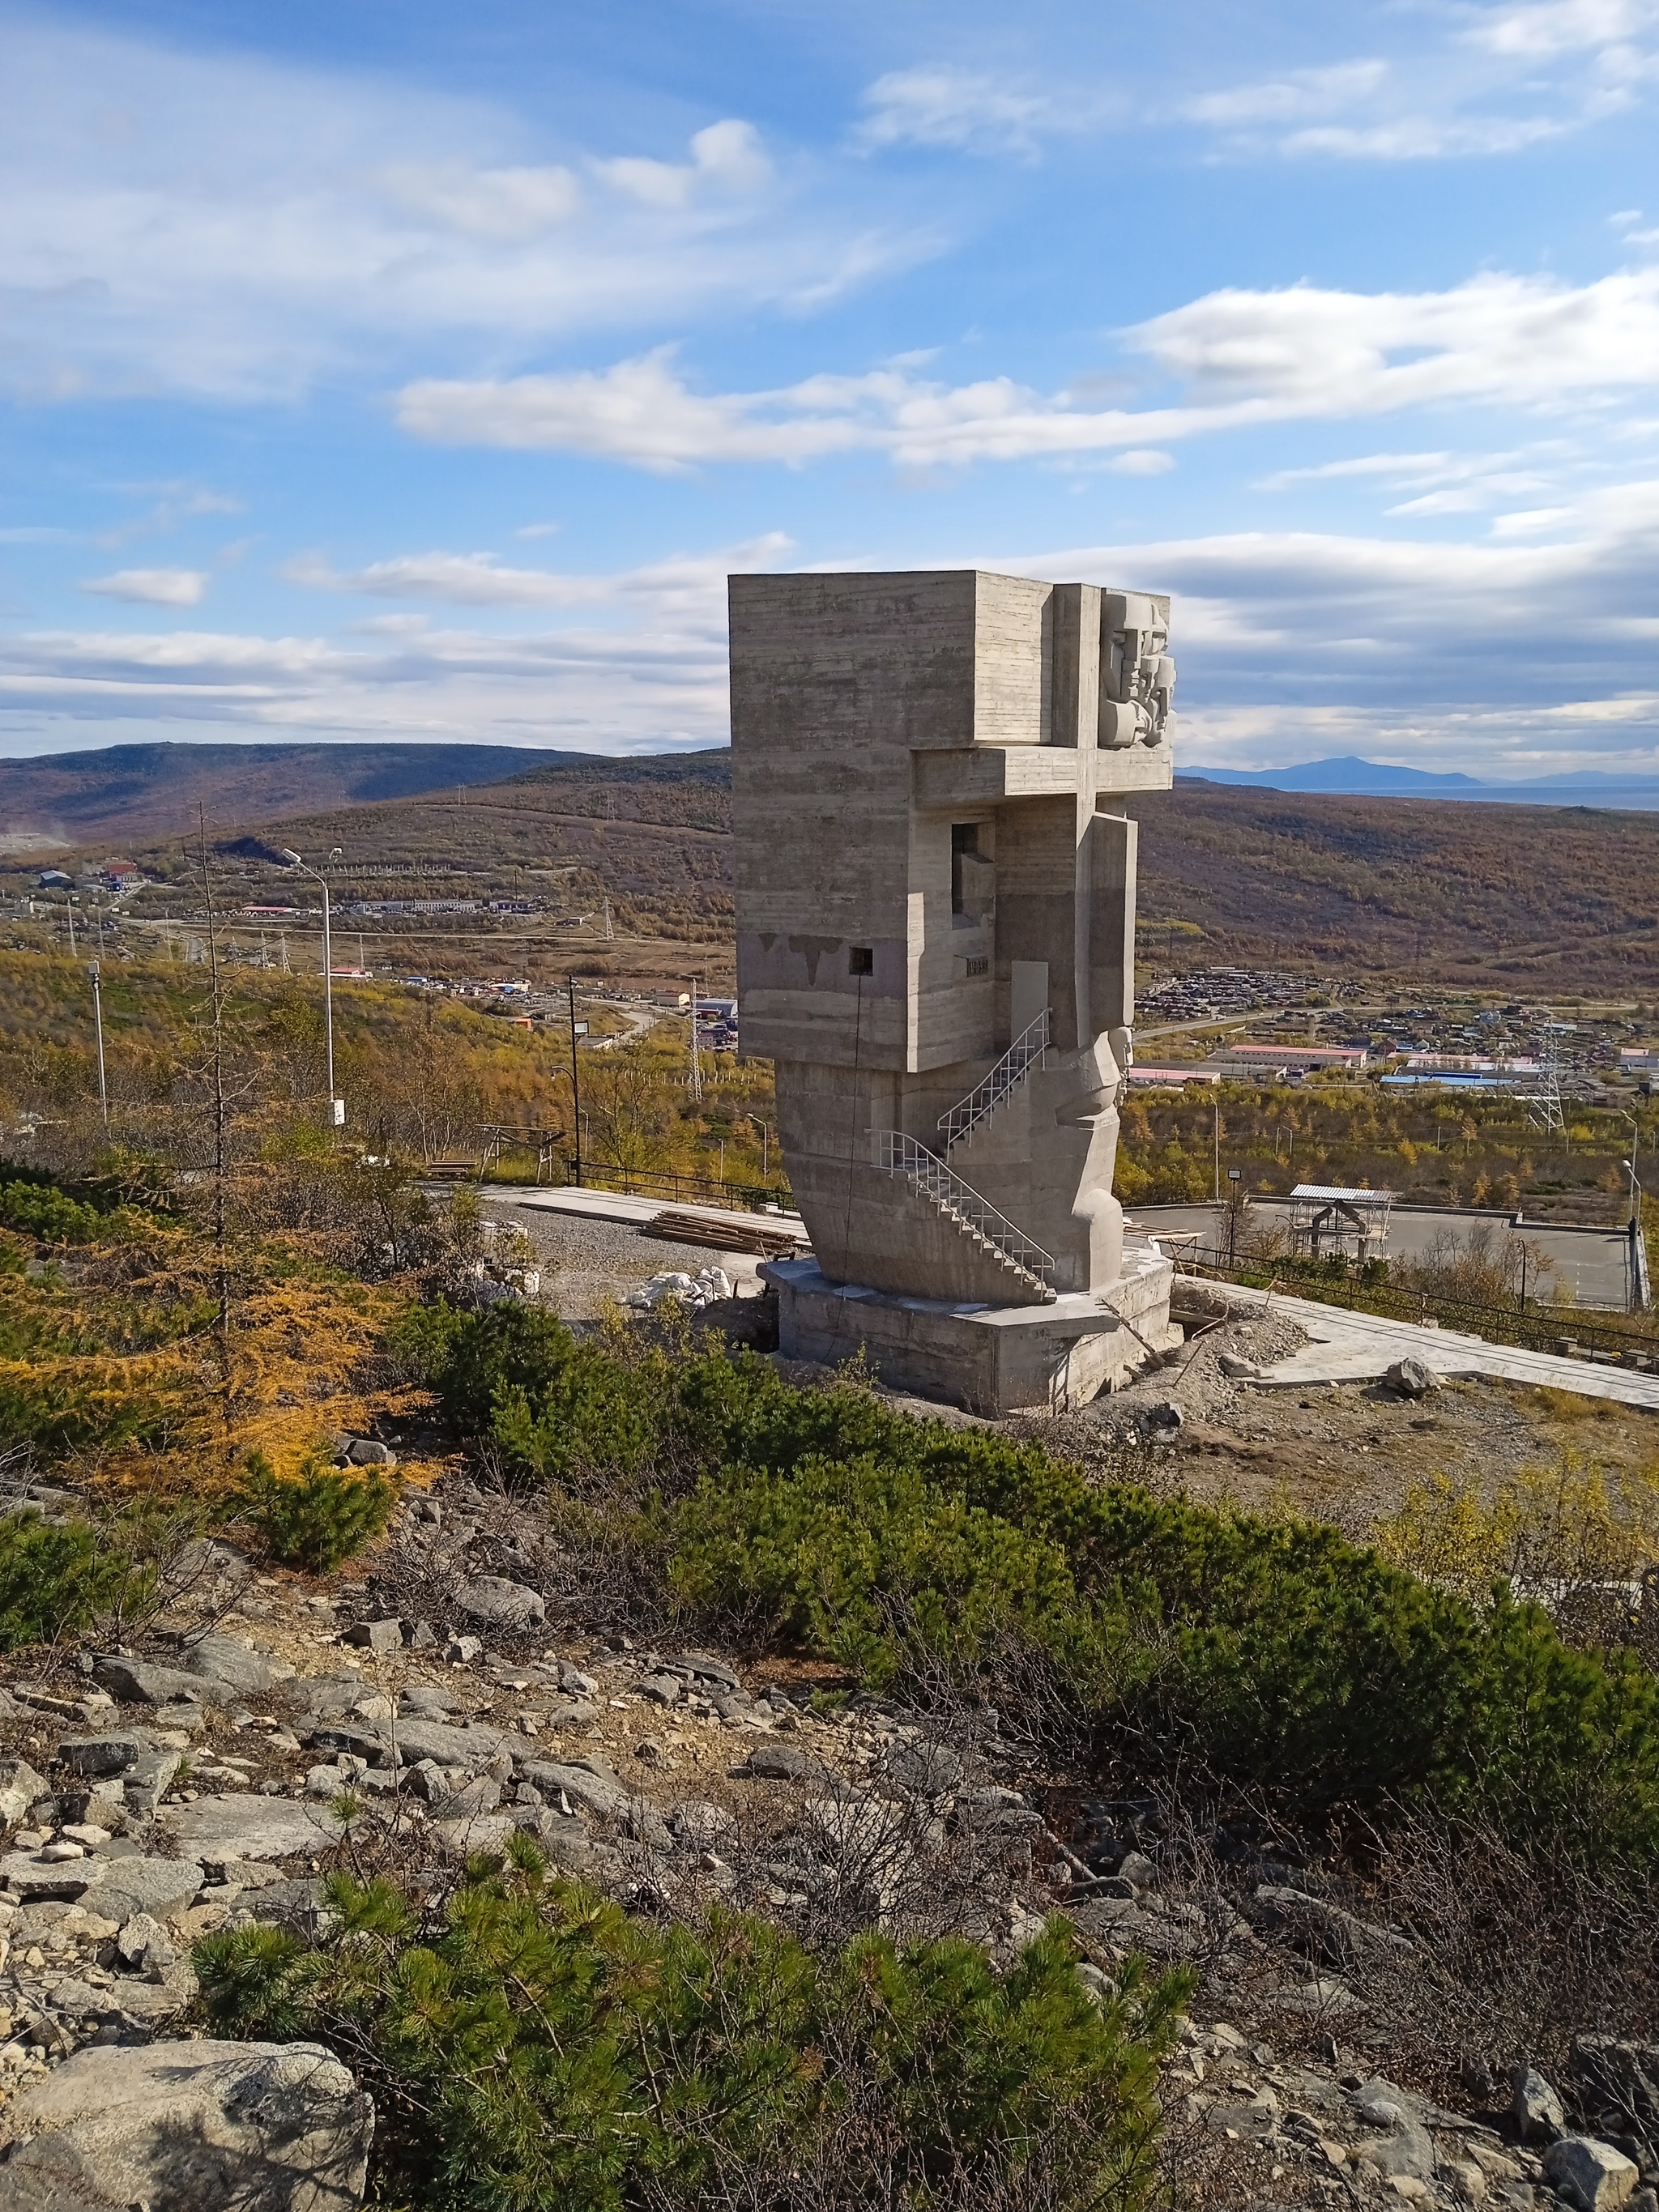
98 1023
293 861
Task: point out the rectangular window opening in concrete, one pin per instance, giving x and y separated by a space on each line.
861 960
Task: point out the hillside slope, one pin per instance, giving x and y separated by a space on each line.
1541 900
123 794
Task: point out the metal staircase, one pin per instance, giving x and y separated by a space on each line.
974 1216
1024 1054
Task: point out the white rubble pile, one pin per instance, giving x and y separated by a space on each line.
694 1292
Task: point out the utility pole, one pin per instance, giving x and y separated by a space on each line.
575 1080
98 1024
696 1058
1218 1154
336 1106
69 909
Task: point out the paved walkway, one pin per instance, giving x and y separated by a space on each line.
612 1206
1357 1347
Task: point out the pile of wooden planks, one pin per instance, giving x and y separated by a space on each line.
675 1228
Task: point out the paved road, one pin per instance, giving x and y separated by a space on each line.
1353 1347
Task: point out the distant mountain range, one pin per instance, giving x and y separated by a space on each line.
131 795
1363 778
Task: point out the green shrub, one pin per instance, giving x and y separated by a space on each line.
52 1578
320 1517
39 1210
534 2048
1271 1653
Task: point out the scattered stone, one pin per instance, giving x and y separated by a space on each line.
32 1876
365 1451
1411 1378
147 1780
266 2127
422 1636
100 1754
651 1751
1625 2075
1138 1870
494 1603
1537 2110
20 1785
476 1831
1237 1369
253 1827
376 1635
141 1884
226 1660
144 1942
139 1682
1589 2173
785 1762
661 1689
463 1649
698 1665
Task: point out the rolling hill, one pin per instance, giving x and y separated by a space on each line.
129 794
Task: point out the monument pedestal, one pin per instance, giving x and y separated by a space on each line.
987 1359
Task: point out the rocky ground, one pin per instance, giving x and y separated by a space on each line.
271 1727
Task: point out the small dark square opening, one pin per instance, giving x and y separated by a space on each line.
861 960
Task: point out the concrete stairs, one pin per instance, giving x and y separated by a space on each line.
1024 1267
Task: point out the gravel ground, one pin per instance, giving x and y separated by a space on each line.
584 1263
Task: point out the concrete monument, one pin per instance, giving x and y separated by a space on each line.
936 895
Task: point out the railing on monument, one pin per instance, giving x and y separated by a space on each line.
1025 1052
902 1155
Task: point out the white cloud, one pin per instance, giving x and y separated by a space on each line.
479 580
232 228
728 157
1416 649
1142 461
506 204
154 587
1427 138
1243 357
1554 28
944 106
1288 99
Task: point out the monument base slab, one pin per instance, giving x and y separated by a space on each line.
987 1359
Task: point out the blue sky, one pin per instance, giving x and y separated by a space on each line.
408 371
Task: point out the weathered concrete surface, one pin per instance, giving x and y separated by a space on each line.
988 1359
933 864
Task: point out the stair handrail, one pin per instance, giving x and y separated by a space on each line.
902 1155
1026 1050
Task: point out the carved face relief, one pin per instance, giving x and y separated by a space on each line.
1137 676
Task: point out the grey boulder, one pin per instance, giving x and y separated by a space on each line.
100 1754
246 1826
784 1762
141 1682
1537 2110
229 1662
20 1785
1411 1378
492 1601
264 2127
1589 2173
132 1886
